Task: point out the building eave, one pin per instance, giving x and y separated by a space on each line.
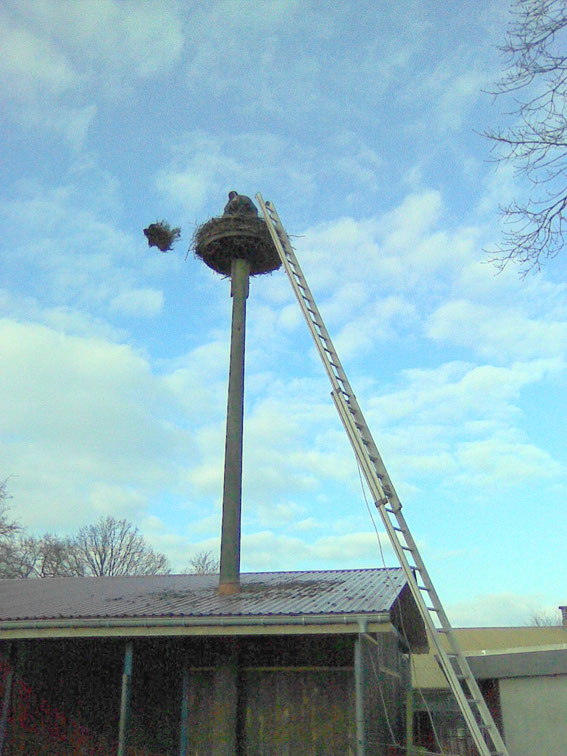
194 626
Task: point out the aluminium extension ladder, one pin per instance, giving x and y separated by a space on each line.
449 655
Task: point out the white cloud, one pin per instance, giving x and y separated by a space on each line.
401 250
310 523
501 462
205 166
72 123
108 499
460 424
138 302
458 391
77 411
60 318
267 551
56 55
199 380
131 34
455 86
356 160
498 609
31 62
373 324
74 257
292 446
497 333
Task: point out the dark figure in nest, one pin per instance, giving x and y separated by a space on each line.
239 204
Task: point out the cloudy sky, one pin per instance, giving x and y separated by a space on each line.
361 123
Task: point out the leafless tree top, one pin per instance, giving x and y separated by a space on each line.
203 563
116 547
535 142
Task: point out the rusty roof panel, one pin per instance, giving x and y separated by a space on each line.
366 591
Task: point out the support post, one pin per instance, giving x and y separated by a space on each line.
409 721
184 711
225 707
7 697
359 697
125 699
229 579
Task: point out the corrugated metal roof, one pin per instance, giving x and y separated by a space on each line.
367 591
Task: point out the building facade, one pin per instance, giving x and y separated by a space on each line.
295 663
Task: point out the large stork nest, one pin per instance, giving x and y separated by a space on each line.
246 237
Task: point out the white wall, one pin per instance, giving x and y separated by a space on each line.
534 712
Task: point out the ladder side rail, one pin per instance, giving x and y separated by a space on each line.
314 321
335 375
442 655
376 475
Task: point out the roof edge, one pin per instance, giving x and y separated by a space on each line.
351 623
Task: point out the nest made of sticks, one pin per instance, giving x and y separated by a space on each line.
246 237
161 235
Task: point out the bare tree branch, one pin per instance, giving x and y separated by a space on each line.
48 556
9 531
116 547
203 563
109 547
535 143
544 619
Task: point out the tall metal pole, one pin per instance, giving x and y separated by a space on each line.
229 580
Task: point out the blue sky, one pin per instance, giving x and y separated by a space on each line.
361 123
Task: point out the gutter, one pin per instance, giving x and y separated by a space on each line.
355 620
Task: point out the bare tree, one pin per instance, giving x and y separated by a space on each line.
544 619
116 547
46 556
536 141
109 547
9 531
203 563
